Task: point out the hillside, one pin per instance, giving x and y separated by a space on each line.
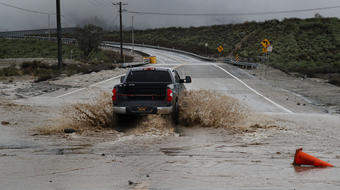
308 46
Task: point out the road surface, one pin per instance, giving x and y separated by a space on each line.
201 158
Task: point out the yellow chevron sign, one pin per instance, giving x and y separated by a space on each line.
237 58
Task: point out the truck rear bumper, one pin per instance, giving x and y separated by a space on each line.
119 110
126 110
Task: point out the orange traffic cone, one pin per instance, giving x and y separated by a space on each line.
302 158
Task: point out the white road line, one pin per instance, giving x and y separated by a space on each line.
98 83
187 64
256 92
92 85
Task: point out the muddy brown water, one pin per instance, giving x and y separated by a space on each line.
198 158
201 158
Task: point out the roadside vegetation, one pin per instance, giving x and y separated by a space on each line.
307 46
44 71
29 48
84 57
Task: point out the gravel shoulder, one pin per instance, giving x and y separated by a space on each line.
25 87
293 90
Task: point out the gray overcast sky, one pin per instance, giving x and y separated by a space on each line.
77 12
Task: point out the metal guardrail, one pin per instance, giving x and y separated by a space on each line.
23 33
242 64
64 40
132 64
127 49
163 48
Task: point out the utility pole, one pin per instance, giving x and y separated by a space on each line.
133 37
60 51
49 27
121 27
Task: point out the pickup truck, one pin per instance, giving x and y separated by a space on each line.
149 91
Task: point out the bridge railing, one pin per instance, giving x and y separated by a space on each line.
64 40
242 64
162 48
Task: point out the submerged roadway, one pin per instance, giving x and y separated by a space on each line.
201 158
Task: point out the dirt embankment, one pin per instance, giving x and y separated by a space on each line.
25 86
316 90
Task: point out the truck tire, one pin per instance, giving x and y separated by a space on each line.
114 120
119 118
119 122
175 114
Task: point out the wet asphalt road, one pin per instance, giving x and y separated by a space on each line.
202 158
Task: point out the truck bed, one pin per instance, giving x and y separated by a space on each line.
151 93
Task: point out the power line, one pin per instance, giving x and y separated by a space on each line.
234 14
24 9
33 11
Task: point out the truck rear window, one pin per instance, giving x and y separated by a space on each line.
149 76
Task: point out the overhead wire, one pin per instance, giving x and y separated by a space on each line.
233 14
66 20
25 9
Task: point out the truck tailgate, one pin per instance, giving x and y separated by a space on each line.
142 92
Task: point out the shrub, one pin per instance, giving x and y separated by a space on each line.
9 71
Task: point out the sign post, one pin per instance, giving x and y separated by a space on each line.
267 47
59 36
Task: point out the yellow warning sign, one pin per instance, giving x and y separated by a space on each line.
265 43
220 49
237 58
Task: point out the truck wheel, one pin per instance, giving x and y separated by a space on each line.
114 120
175 114
119 121
119 118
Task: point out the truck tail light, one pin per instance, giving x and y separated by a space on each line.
114 94
170 95
149 69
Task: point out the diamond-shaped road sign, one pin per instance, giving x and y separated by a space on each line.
264 50
220 49
266 45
